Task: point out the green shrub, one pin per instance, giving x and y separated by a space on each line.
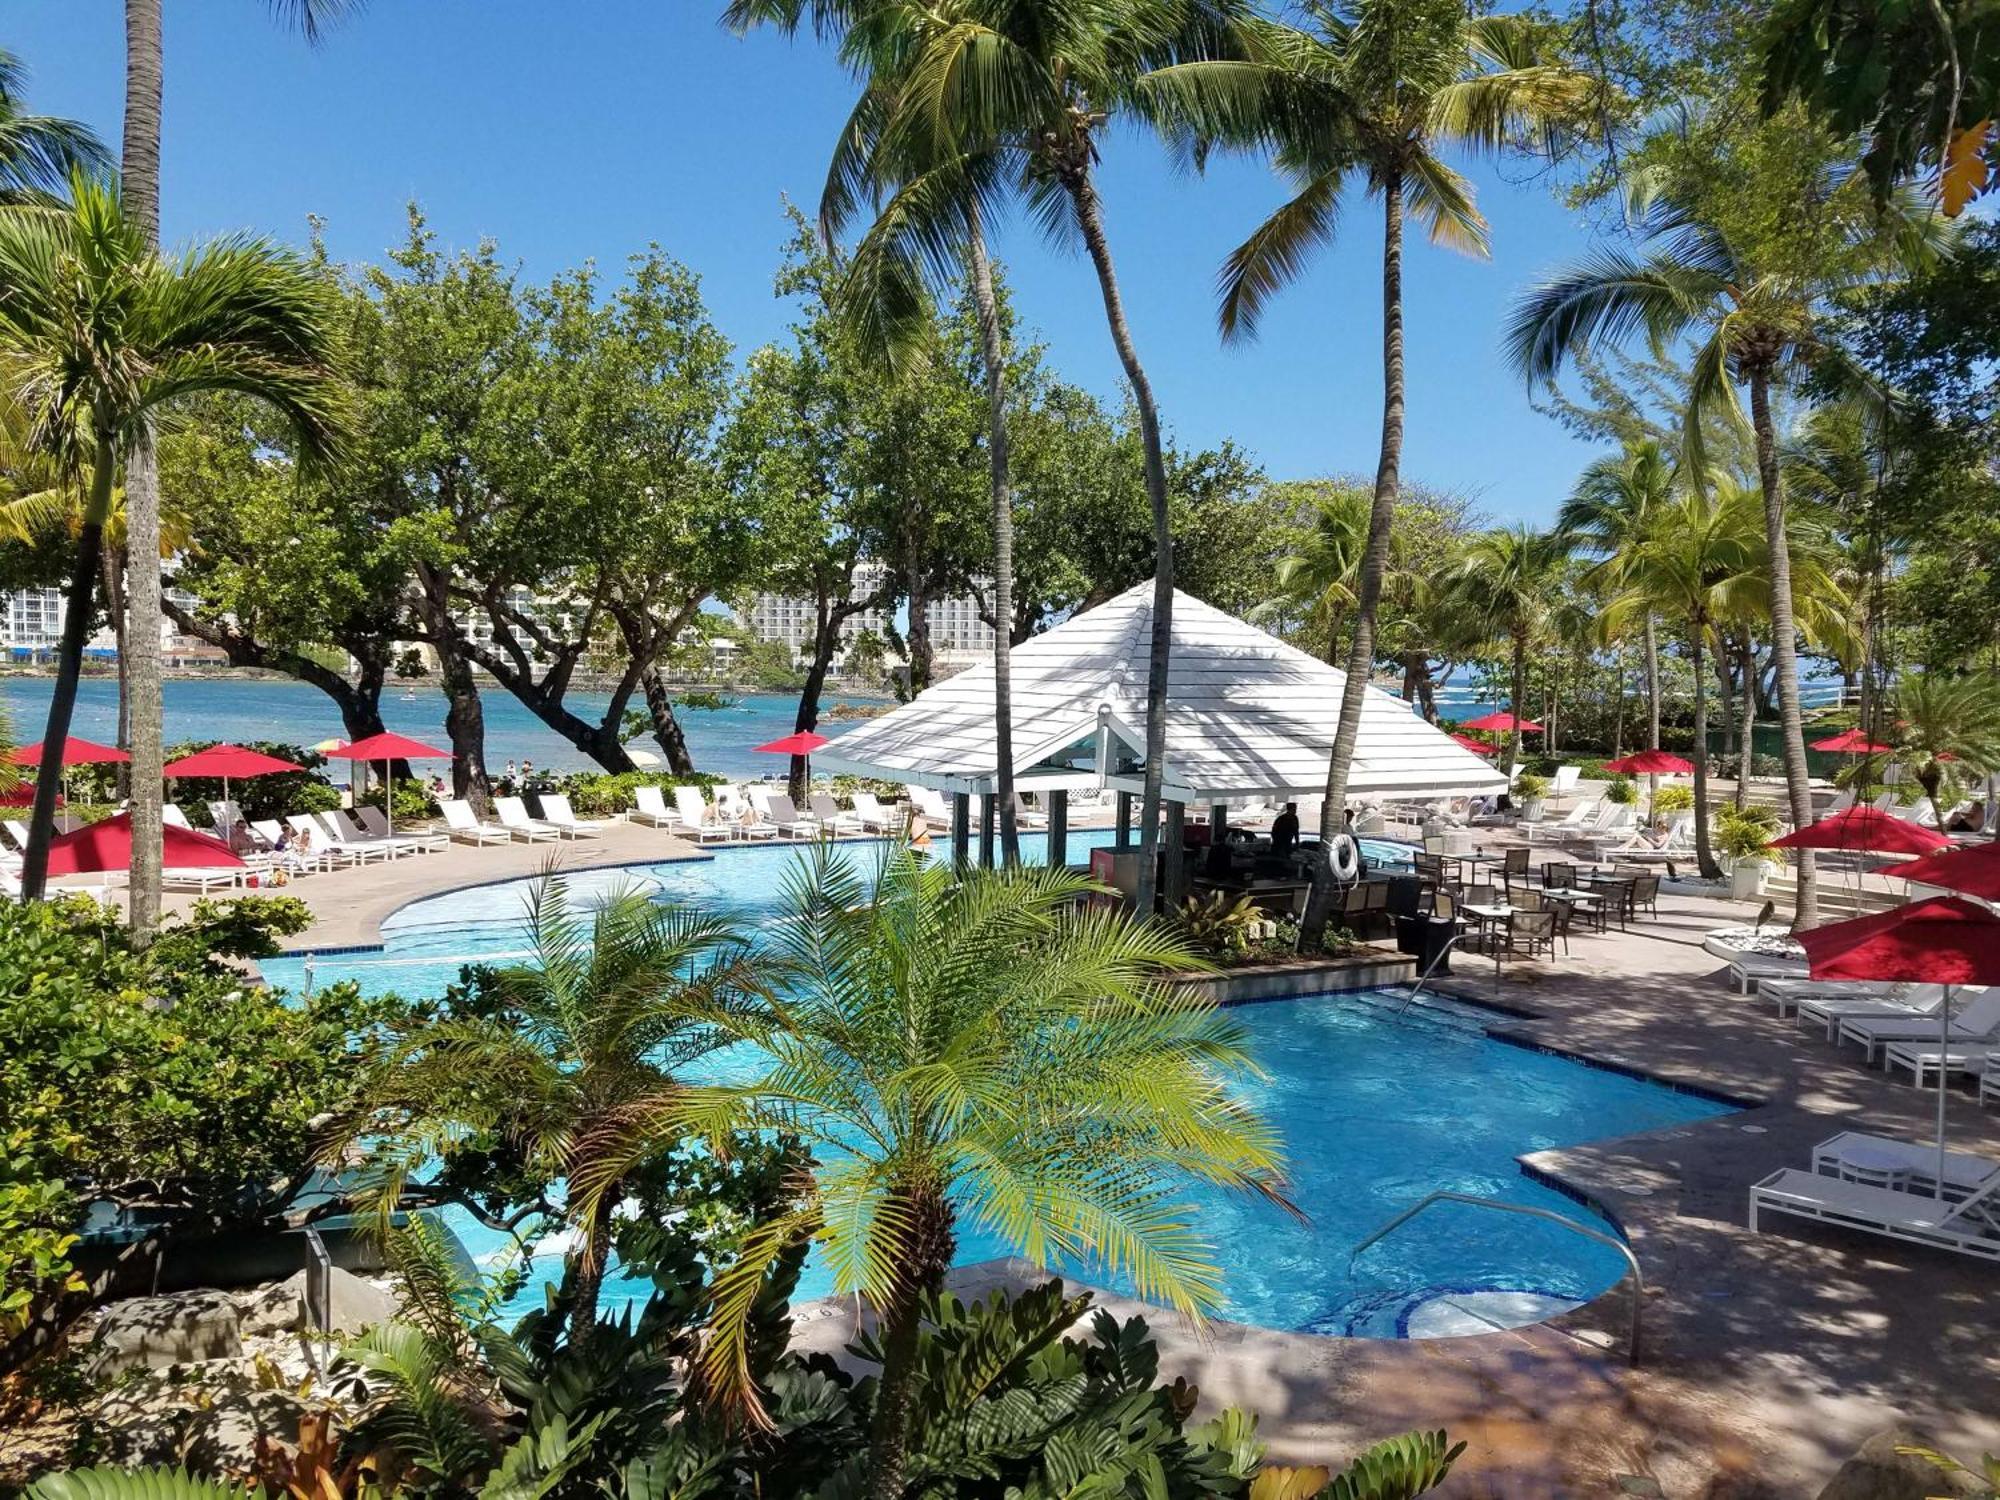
1746 833
1219 927
1622 792
413 802
258 796
1670 799
1528 787
599 794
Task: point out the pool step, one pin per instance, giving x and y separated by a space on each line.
1440 1312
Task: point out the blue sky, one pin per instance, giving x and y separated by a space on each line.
587 130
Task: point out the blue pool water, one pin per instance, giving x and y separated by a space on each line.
1379 1102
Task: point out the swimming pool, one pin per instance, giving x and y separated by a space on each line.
1379 1102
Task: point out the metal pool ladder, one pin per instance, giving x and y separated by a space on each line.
1445 1195
1429 969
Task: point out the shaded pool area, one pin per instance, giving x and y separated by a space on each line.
1379 1101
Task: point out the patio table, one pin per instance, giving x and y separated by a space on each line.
1619 888
1591 903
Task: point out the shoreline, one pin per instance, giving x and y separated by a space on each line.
582 683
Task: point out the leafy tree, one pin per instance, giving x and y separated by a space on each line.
39 153
1510 576
1946 729
532 1075
1374 90
105 335
981 1045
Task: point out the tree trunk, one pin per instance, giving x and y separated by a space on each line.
1089 218
142 642
111 574
825 639
917 639
1784 643
1518 691
145 70
666 725
1748 658
932 1248
1704 856
993 354
592 1252
1725 695
1652 683
1374 563
464 715
1618 718
69 665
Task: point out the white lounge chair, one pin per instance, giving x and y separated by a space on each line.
1025 816
556 810
375 823
1563 783
291 857
513 815
1638 845
1913 1001
1788 994
463 824
1964 1173
1977 1021
1576 823
205 878
1989 1081
336 846
874 816
828 812
1926 1060
648 806
694 817
1966 1227
343 825
929 802
171 814
223 814
778 810
1749 970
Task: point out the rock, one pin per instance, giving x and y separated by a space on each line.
1738 1486
354 1304
152 1332
1878 1472
149 1425
277 1307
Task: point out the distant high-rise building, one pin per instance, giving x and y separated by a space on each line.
793 621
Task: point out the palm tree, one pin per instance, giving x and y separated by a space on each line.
1946 728
1610 512
139 656
1754 323
984 1046
1510 576
1317 581
102 334
1375 89
983 100
1702 556
613 1004
38 153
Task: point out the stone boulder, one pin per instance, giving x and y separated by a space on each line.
147 1424
154 1332
1879 1472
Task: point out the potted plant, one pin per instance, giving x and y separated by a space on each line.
1621 792
1743 841
1529 789
1668 800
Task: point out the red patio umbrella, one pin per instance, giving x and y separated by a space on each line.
388 748
1971 868
1858 828
1503 722
1946 940
107 845
1650 763
803 743
229 762
1477 747
75 752
1853 742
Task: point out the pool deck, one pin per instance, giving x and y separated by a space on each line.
1772 1355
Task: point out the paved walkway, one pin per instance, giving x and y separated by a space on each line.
1773 1354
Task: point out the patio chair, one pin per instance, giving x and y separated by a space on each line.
336 844
556 810
224 814
462 823
779 812
1965 1227
873 816
828 813
513 815
1916 1002
1786 995
1529 933
1978 1022
375 823
1025 816
342 825
1926 1060
171 814
1573 825
205 879
1558 874
648 806
1915 1161
1563 783
928 802
290 857
1645 893
693 816
1513 867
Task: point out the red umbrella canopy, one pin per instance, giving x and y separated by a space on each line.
23 796
1650 763
75 752
1477 747
1864 828
1503 722
108 846
231 761
1945 940
387 746
802 743
1972 868
1853 742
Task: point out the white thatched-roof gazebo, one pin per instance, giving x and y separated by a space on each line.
1247 716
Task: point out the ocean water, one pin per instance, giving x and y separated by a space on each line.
1379 1102
242 708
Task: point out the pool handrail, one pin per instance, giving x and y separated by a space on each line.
1447 1195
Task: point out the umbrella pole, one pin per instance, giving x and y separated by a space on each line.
389 795
1944 1043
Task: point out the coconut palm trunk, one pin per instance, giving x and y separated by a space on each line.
1784 640
1374 563
993 353
1516 692
144 72
1704 856
1652 683
1090 221
932 1243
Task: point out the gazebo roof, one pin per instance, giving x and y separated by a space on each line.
1246 715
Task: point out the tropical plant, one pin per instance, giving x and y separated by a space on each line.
39 153
1529 787
531 1074
982 1045
103 335
1622 792
1509 576
977 101
1317 580
1373 90
1219 926
1670 799
1753 302
1746 832
1608 513
1946 728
